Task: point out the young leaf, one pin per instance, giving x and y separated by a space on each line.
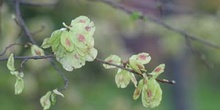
10 63
81 52
66 63
143 58
53 98
82 30
55 91
66 41
138 90
19 86
71 61
37 51
114 59
55 36
81 40
80 20
133 79
45 43
90 28
91 54
19 74
45 100
158 70
14 73
151 94
54 40
60 52
136 66
135 15
122 78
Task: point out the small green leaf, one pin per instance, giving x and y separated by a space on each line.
45 100
53 98
136 15
66 41
55 91
138 90
151 94
60 52
66 63
80 20
143 58
54 40
114 59
81 40
37 51
72 61
158 70
92 54
82 30
19 74
133 79
45 43
10 63
122 78
136 66
19 86
81 52
55 36
14 73
90 28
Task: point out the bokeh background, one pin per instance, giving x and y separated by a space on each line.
197 76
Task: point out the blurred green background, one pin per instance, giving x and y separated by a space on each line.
92 87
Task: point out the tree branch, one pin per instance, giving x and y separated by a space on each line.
61 74
118 66
25 2
29 57
6 48
21 22
199 55
99 60
132 71
161 23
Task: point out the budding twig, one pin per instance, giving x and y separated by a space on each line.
134 72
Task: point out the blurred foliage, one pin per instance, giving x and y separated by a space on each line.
92 87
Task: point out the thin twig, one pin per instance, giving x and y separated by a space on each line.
61 74
29 57
26 58
64 77
1 54
199 55
21 22
28 3
161 23
132 71
166 81
23 62
118 66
